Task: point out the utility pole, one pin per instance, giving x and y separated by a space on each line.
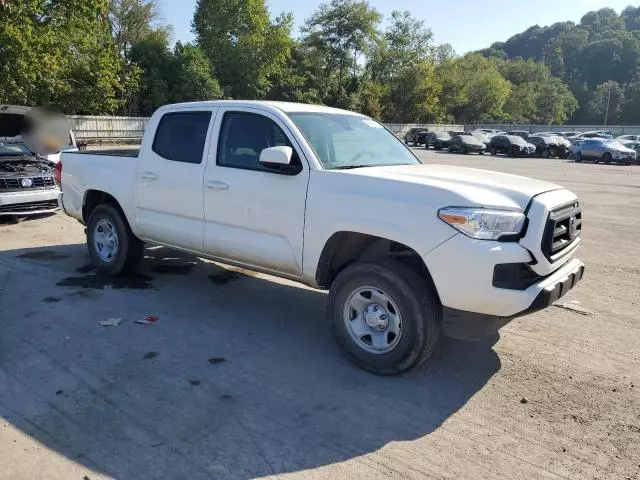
606 115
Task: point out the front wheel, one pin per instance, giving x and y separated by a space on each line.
113 247
606 158
384 317
493 151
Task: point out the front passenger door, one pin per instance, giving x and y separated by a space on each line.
254 216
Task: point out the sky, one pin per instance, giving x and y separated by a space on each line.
466 24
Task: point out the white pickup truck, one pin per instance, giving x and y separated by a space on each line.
332 199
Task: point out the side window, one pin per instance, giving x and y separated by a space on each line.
243 136
181 136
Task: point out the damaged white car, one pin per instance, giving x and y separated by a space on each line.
27 184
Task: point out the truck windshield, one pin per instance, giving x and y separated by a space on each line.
351 141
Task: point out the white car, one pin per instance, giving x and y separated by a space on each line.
332 199
624 139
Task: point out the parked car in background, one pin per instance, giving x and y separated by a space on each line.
286 189
437 140
27 185
549 146
624 139
489 131
594 134
519 133
466 144
413 135
511 145
483 137
634 146
559 138
603 150
568 134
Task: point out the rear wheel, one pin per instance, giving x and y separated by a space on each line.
494 151
113 247
384 317
606 158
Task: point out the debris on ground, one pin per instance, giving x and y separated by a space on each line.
217 360
112 322
148 320
574 306
149 355
524 400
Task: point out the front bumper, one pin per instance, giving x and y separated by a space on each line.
30 202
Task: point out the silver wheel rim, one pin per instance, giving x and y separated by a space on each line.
105 240
373 320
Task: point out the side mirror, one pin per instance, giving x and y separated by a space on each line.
278 160
276 156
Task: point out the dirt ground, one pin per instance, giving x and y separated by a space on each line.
240 378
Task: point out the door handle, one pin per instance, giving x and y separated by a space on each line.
219 186
148 176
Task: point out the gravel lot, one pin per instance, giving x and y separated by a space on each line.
239 377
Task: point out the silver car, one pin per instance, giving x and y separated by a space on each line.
603 150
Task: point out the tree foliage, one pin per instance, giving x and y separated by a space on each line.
598 55
59 53
115 56
246 48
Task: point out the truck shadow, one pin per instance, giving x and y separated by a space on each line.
238 378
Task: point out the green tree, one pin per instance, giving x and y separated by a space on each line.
156 64
192 75
403 64
246 48
336 37
61 54
133 21
472 89
608 93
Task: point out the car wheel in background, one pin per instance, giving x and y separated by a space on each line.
113 247
384 316
606 158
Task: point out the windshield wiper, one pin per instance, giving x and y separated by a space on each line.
350 167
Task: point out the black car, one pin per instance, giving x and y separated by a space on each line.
511 145
466 144
548 147
413 135
437 140
519 133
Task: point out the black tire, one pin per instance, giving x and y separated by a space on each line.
606 158
420 311
512 152
494 151
464 150
130 248
546 153
577 157
481 152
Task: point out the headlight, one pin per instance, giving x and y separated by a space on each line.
481 223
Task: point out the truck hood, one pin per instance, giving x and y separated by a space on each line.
474 187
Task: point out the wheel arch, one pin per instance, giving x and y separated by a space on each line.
346 247
94 198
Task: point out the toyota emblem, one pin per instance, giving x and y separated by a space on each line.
27 182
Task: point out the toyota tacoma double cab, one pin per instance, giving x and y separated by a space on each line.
332 199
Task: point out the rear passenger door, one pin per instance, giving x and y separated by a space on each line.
253 216
170 203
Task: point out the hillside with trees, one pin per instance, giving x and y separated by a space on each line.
115 57
596 58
